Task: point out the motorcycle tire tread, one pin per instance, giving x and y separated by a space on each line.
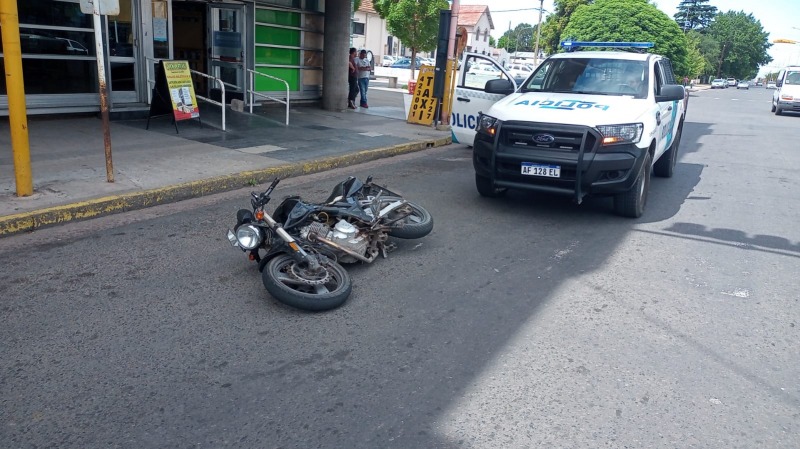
310 302
415 230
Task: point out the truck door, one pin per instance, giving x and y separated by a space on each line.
666 113
470 97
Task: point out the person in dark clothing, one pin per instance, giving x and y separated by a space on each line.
352 79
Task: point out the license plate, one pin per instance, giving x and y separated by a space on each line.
548 171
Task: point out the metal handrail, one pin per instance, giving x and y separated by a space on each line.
253 92
219 81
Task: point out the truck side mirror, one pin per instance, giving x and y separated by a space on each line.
504 87
671 92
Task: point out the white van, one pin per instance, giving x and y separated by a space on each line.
786 96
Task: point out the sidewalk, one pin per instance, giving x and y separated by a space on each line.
158 166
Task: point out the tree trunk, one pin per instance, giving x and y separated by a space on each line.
413 62
721 58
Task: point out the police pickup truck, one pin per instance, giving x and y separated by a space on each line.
584 122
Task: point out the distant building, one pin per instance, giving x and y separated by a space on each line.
478 22
370 33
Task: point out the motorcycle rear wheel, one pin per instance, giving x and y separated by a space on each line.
294 286
415 226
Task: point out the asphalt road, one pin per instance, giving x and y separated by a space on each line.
520 322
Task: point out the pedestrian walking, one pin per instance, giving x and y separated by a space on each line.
352 79
363 65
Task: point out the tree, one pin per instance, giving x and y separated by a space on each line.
630 20
492 42
553 26
743 44
518 39
695 14
696 64
414 22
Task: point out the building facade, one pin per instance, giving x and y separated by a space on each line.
224 39
478 22
370 33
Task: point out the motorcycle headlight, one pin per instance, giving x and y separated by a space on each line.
249 236
487 125
617 134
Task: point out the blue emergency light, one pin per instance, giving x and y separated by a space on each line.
574 45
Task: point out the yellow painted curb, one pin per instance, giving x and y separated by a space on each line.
33 220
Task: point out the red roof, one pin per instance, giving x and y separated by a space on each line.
366 6
469 15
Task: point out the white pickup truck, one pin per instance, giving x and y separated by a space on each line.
584 122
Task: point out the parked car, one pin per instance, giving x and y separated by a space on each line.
718 83
787 95
520 70
405 63
388 60
484 69
743 85
731 82
771 85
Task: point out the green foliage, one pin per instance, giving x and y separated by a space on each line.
492 42
742 44
553 26
630 20
695 14
521 38
414 22
696 64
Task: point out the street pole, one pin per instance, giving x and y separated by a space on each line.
538 33
101 78
17 111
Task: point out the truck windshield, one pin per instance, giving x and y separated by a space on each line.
595 76
793 78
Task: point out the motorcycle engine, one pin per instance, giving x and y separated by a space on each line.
344 234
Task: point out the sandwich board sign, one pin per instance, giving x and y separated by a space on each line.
107 7
173 94
423 104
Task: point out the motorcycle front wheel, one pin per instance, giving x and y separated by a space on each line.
417 225
295 285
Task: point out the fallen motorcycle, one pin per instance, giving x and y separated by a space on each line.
304 243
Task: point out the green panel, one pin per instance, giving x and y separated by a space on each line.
277 36
291 19
277 56
292 76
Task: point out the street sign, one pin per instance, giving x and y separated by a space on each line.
107 7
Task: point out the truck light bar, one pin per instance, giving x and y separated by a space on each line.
573 45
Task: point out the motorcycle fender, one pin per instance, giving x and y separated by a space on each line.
390 208
270 254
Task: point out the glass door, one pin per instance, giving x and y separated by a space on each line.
121 37
226 46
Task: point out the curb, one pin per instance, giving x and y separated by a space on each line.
84 210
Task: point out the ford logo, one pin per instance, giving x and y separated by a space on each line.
544 139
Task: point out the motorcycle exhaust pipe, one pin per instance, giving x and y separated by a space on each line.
339 247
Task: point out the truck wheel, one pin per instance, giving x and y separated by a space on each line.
665 165
631 203
485 187
777 110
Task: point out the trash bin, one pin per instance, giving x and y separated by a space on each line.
411 85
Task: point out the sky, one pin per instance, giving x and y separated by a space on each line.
778 17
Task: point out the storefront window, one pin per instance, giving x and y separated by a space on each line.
160 29
58 49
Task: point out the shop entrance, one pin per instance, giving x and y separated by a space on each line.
211 37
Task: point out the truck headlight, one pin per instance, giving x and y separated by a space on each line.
618 134
249 236
487 125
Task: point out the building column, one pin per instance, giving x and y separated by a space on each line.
336 51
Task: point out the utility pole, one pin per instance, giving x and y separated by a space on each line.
538 33
17 111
